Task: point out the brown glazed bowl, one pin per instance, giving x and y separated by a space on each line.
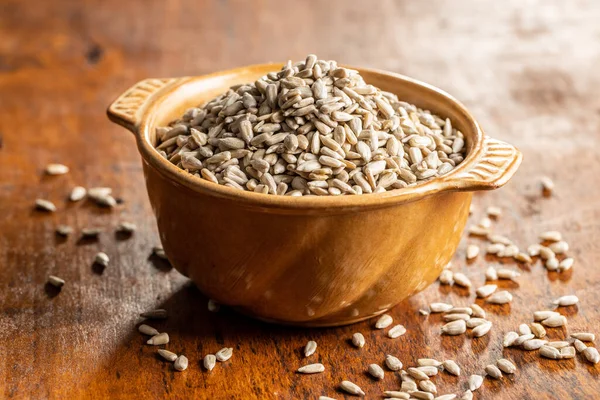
311 261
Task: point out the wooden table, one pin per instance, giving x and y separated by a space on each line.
527 70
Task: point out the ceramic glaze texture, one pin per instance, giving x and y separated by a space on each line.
312 261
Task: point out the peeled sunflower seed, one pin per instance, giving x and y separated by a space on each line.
454 317
428 370
565 301
428 362
534 344
486 290
467 395
161 338
358 340
78 193
45 205
56 169
64 230
550 352
310 348
547 184
155 314
351 388
538 330
505 273
209 362
91 233
472 251
478 312
524 329
446 277
451 367
559 344
542 315
584 336
509 339
383 322
502 297
559 247
566 264
159 252
393 363
181 363
421 395
551 236
409 386
440 307
312 369
453 328
427 386
494 211
591 354
396 331
167 355
493 371
376 371
460 310
491 274
567 352
579 345
126 227
506 366
522 339
224 354
475 382
391 394
534 250
451 396
417 373
461 280
475 322
482 329
101 259
56 281
555 321
147 330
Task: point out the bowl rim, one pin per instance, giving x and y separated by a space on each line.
447 182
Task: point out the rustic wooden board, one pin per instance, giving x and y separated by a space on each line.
527 70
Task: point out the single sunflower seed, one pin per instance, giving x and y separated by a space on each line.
450 396
56 169
509 339
555 321
559 247
351 388
440 307
451 367
454 328
78 193
482 329
566 301
45 205
475 382
159 313
533 344
461 280
91 233
491 274
358 340
101 259
550 236
429 370
472 251
64 230
167 355
393 363
312 369
56 281
591 354
209 362
524 329
181 363
522 339
467 395
428 362
505 273
310 348
427 386
550 352
384 321
566 264
506 366
538 330
159 252
547 184
224 354
542 315
475 322
392 394
579 345
559 344
567 352
584 336
446 277
502 297
147 330
478 312
493 372
126 227
161 338
421 395
454 317
486 290
409 386
376 371
417 373
396 331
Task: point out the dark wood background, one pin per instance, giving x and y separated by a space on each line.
527 70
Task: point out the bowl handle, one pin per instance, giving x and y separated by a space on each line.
495 164
127 109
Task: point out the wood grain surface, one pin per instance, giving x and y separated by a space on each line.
528 70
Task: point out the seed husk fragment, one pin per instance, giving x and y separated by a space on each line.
550 352
209 362
159 313
181 363
502 297
78 193
167 355
506 366
147 330
482 329
351 388
393 363
310 348
440 307
451 367
312 369
454 328
376 371
45 205
64 230
224 354
555 321
584 336
493 372
56 281
358 340
566 301
161 338
475 382
396 331
486 290
591 354
101 259
510 338
384 321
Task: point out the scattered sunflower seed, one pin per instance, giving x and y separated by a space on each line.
78 193
91 233
417 373
495 248
475 382
181 363
567 352
64 230
547 184
325 398
555 321
472 251
538 330
482 329
454 317
451 396
467 395
559 344
209 362
505 273
493 372
451 367
551 236
550 352
506 366
351 388
579 345
428 362
546 253
486 290
440 307
393 363
428 370
524 329
427 386
396 395
147 330
384 321
101 259
591 354
376 371
409 386
559 247
493 211
584 336
533 344
502 297
478 312
312 369
126 227
510 338
485 223
421 395
56 169
396 331
105 201
566 264
491 274
534 250
523 257
167 355
476 230
454 328
310 348
446 277
475 322
566 301
542 315
159 252
224 354
522 339
461 280
460 310
358 340
156 340
159 313
45 205
56 281
423 311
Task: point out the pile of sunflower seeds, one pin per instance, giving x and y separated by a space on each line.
313 128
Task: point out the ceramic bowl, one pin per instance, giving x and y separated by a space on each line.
312 261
